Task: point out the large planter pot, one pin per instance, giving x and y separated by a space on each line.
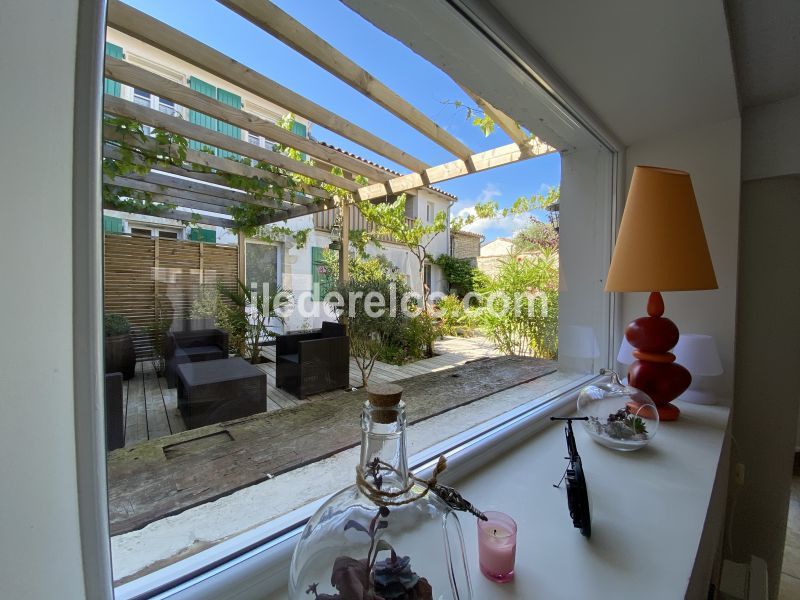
120 355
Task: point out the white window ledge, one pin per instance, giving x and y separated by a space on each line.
656 513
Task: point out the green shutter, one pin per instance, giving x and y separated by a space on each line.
198 234
301 130
199 118
316 276
230 99
113 88
112 224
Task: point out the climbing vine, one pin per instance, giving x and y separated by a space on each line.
162 148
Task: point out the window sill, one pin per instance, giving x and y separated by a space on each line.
466 451
665 547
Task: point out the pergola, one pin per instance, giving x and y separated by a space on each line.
184 187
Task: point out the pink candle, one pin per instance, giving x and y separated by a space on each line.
497 546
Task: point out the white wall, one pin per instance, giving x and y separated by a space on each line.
40 549
711 155
768 354
772 140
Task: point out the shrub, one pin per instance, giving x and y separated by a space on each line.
459 272
368 333
530 325
453 318
114 324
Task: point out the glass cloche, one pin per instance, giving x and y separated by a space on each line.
383 538
619 416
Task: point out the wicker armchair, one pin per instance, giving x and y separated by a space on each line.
313 362
193 346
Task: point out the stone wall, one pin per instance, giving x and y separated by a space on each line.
465 244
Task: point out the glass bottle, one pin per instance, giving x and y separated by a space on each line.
382 538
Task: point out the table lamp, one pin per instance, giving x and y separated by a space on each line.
698 353
661 247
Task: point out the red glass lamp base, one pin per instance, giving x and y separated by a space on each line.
655 371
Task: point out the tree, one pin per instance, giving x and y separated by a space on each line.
390 219
536 236
367 329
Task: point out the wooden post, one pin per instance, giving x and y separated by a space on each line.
242 249
344 252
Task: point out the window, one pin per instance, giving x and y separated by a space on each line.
145 98
194 287
167 106
141 97
261 266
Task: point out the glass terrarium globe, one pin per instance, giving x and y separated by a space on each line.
400 544
620 416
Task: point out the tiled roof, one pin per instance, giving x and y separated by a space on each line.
470 233
388 170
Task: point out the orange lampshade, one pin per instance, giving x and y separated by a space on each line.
661 245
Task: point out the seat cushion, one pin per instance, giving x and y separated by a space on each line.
290 358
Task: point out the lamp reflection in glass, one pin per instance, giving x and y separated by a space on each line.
698 353
661 247
578 348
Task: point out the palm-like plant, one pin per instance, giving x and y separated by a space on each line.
251 314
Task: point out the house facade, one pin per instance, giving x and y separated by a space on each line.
277 260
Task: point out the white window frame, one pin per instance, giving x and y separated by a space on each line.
238 565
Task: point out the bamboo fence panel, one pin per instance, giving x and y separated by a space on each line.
141 273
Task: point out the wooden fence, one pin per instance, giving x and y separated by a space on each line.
141 273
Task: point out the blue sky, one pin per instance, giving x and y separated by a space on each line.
416 80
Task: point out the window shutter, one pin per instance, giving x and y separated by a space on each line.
230 99
112 224
316 276
301 130
199 118
114 88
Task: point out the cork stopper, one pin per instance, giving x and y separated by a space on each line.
384 396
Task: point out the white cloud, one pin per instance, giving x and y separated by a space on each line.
505 226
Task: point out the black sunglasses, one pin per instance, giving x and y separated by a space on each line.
577 495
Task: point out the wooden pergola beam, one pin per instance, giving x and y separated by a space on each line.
273 20
155 33
182 197
501 119
156 118
130 74
482 161
178 215
213 162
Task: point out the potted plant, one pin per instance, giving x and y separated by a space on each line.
120 355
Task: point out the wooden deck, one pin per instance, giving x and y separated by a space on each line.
151 408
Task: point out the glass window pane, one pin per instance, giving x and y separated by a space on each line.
261 265
141 97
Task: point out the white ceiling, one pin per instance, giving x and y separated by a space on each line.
766 46
645 67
